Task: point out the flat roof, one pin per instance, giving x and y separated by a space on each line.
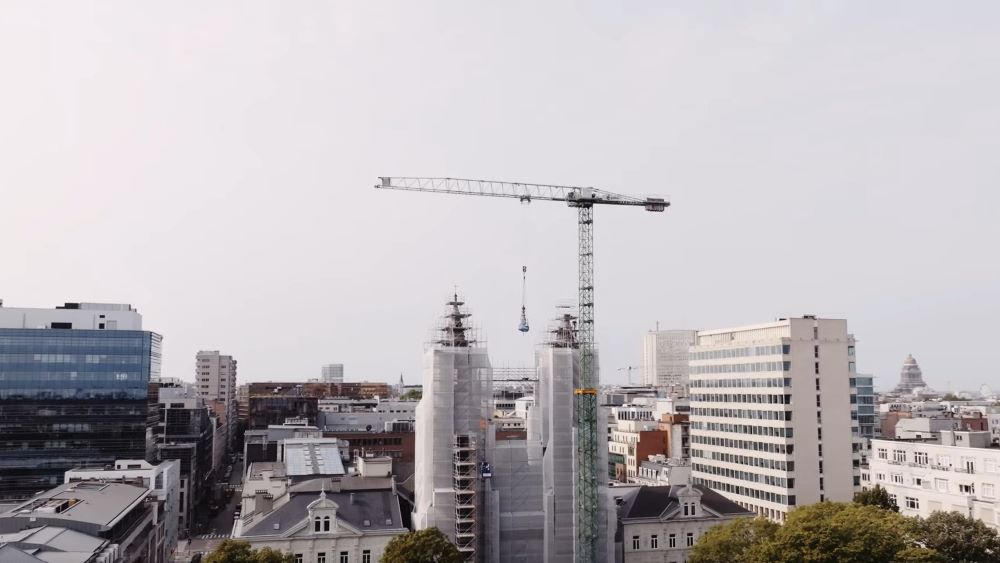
84 501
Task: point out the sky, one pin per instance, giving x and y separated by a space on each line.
213 163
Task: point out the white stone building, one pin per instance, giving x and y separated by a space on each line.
660 470
771 421
958 471
665 357
661 524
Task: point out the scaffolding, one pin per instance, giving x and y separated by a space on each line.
466 479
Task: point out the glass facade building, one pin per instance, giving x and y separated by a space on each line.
72 398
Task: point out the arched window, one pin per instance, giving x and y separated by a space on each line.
326 523
316 524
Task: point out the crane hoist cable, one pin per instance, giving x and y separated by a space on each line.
523 327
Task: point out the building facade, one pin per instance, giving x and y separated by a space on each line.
75 390
662 524
956 471
215 378
332 373
771 424
665 357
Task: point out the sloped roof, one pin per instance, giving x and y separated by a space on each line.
651 502
374 506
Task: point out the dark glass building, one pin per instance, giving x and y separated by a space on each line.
71 397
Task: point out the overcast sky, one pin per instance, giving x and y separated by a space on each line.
212 164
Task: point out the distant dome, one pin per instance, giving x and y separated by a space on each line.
910 377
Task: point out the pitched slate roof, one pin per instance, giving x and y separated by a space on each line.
376 507
651 502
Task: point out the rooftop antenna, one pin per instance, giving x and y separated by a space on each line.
523 327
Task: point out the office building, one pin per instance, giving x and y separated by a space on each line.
332 373
771 424
665 358
163 482
954 471
124 516
215 378
75 391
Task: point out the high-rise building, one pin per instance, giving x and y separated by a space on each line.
74 391
332 373
665 358
771 421
215 378
451 420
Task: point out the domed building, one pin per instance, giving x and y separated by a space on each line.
910 377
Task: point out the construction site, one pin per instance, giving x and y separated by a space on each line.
541 495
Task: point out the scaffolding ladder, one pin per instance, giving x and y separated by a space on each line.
466 478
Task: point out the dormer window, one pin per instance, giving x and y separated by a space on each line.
316 524
326 523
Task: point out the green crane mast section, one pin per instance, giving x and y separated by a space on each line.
585 396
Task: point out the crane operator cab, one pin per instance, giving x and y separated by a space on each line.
523 326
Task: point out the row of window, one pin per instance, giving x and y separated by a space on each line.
742 368
654 541
748 460
923 458
787 500
752 414
741 352
345 557
737 382
126 358
749 445
755 430
747 476
751 398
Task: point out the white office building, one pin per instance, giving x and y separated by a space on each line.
956 471
332 373
665 358
771 421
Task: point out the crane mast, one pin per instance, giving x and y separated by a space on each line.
586 425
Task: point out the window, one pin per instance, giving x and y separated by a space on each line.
316 524
897 478
635 542
321 557
941 485
918 481
366 556
298 558
920 457
882 453
654 542
988 490
967 489
690 539
672 540
893 498
344 557
912 503
326 523
899 455
991 466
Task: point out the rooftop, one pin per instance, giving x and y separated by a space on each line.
655 502
49 544
102 504
312 456
379 509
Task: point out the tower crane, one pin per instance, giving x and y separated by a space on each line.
629 370
585 397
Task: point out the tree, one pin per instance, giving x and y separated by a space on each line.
231 551
412 395
951 397
825 532
959 538
423 546
876 496
730 542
